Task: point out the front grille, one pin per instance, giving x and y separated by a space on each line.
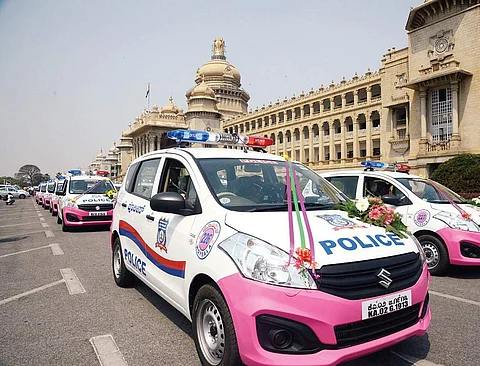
97 218
369 329
358 280
103 207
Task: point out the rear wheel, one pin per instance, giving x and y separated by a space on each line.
436 254
59 217
123 277
213 329
22 196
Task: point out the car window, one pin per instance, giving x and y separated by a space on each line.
130 177
378 187
143 185
347 185
176 178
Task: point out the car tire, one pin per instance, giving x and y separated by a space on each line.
123 277
65 227
22 196
211 315
50 209
59 217
436 253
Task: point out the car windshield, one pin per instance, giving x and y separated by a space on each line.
430 191
43 188
59 186
93 186
260 185
51 187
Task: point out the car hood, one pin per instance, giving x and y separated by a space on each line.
470 209
337 238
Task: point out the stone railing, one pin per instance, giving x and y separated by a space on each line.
438 146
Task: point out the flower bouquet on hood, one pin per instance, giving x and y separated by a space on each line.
112 194
372 210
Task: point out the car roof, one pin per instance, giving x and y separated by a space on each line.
202 153
377 173
83 177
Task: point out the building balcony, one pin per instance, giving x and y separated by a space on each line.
438 146
400 146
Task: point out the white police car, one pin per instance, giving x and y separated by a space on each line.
213 232
447 227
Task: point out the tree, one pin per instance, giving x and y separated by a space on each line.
30 174
461 174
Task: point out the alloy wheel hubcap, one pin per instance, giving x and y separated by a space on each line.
210 332
432 254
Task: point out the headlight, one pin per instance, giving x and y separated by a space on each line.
457 221
71 204
263 262
420 249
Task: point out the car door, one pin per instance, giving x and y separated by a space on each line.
169 243
377 187
134 227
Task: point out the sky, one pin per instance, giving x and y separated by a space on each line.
73 73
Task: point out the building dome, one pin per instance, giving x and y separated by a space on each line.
170 108
100 154
201 91
217 68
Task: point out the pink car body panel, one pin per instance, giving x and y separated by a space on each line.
80 214
452 239
320 311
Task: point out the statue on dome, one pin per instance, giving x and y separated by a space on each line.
218 47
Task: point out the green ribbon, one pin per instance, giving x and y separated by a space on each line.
295 203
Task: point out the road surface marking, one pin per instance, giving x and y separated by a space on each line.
22 224
45 224
56 250
467 301
49 234
71 280
415 361
21 234
25 251
42 219
18 218
39 214
16 297
19 214
107 351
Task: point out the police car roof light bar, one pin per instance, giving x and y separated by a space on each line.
213 138
396 167
75 172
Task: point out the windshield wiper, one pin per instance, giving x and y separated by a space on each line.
310 206
268 208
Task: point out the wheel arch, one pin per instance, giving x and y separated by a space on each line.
199 280
113 237
419 233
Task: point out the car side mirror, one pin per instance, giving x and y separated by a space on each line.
391 199
170 202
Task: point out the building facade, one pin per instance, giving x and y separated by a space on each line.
419 108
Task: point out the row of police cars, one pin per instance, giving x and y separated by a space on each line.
267 279
78 199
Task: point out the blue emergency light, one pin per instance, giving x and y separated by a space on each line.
214 138
398 167
75 172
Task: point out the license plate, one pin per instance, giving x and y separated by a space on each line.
97 214
387 304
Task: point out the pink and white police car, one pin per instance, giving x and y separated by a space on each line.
83 201
208 230
447 227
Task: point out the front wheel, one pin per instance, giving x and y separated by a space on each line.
59 217
22 196
65 227
436 254
213 329
123 277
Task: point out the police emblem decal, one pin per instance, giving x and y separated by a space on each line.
162 234
206 239
421 217
339 222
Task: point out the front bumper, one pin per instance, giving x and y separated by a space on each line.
463 246
46 202
76 217
55 206
319 311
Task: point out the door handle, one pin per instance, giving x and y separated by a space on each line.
150 217
124 205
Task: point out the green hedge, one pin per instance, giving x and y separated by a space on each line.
461 173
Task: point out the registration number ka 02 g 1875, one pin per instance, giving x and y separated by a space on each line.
98 214
387 304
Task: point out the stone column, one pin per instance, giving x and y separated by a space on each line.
284 142
302 111
355 97
355 139
277 147
277 118
311 109
332 104
343 146
369 94
407 121
332 142
302 147
423 122
311 158
321 147
344 100
393 116
455 131
368 144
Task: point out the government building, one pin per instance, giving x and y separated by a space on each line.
421 107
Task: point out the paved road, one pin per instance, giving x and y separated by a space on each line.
44 324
